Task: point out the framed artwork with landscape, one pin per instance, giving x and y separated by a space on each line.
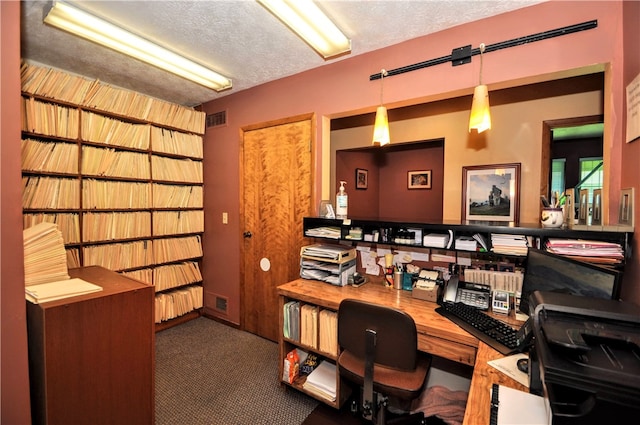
491 193
419 179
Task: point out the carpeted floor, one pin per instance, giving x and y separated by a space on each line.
209 373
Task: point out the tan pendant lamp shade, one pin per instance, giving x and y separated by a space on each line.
480 117
381 127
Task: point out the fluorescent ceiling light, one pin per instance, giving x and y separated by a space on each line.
311 24
85 25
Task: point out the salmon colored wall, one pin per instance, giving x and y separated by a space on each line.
14 373
342 88
630 163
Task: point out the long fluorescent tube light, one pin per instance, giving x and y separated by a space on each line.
85 25
311 24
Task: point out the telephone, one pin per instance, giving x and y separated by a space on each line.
473 294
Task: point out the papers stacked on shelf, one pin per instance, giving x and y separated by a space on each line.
52 291
509 244
436 240
324 232
322 381
328 252
291 326
466 243
593 251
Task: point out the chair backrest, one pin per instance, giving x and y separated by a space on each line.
396 335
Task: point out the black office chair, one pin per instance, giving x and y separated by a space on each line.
380 354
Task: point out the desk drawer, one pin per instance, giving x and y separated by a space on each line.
457 352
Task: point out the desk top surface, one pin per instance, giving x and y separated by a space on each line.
428 322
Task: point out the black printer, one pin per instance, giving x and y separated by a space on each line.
585 358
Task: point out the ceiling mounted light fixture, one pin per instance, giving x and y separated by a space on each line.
306 19
78 22
381 127
480 118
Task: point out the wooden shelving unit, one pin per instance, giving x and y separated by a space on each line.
121 174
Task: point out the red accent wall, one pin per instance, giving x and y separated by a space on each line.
14 372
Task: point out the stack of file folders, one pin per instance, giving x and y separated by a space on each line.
509 244
309 325
586 250
291 315
322 381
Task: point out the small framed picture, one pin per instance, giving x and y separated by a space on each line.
419 179
362 178
569 207
583 206
625 213
491 193
596 208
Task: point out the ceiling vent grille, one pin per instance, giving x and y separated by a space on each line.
217 119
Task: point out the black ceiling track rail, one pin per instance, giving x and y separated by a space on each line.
462 55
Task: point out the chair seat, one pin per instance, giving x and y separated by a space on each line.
389 381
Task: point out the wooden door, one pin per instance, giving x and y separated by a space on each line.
276 161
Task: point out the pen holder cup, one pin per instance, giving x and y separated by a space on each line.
407 281
397 280
552 217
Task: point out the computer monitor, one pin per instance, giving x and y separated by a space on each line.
545 271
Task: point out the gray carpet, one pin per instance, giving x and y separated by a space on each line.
210 373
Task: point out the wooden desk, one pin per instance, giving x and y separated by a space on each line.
484 376
437 335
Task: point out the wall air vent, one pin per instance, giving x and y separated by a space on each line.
221 303
217 119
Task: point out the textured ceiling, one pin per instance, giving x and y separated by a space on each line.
238 38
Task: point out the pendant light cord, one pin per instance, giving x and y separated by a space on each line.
383 73
481 52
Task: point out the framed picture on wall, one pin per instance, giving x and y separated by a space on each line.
491 193
419 179
625 213
583 207
362 178
596 210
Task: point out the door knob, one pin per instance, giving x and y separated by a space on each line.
247 234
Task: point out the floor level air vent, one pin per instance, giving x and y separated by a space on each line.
221 304
217 119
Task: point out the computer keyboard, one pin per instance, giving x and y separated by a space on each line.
487 329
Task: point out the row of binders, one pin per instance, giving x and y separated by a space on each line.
168 276
497 280
100 129
177 170
50 157
176 222
115 163
176 303
129 255
60 85
311 326
68 223
49 119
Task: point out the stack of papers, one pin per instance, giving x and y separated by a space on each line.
324 232
322 381
45 259
595 251
330 252
509 244
436 240
466 243
52 291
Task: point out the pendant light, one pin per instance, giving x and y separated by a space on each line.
381 127
480 118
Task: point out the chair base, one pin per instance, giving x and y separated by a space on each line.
382 414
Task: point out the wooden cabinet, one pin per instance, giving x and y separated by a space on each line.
92 357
